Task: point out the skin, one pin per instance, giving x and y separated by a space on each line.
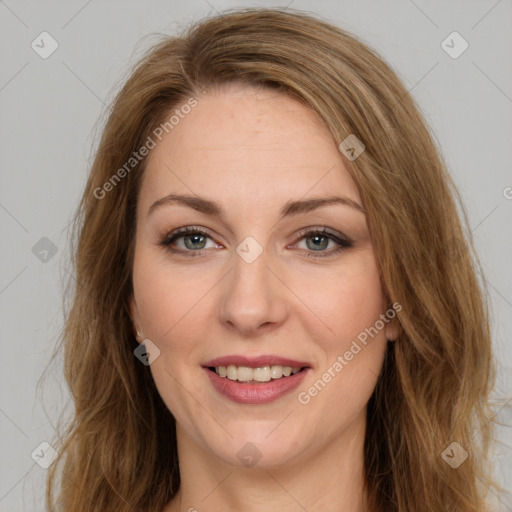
252 151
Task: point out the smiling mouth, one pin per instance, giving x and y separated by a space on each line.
258 375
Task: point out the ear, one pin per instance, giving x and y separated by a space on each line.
135 316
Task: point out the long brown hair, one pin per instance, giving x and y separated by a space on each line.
118 453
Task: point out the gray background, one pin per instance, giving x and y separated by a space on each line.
51 113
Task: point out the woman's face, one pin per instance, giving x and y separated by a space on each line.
259 282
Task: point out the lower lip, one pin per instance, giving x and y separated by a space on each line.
261 393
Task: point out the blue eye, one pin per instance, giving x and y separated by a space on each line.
193 238
195 241
320 240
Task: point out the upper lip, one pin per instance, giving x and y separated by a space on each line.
255 362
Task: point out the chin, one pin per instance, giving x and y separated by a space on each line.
254 447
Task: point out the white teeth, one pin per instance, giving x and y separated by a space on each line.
232 372
261 374
244 374
276 372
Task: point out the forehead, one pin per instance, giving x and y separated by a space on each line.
250 144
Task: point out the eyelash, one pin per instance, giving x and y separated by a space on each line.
343 243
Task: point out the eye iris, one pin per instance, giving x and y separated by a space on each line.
317 238
195 237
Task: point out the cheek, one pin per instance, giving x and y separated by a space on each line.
174 308
347 302
352 340
168 299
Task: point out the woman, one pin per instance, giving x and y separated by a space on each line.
277 307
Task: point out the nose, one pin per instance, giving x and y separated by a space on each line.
254 297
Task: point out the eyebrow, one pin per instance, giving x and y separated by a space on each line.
213 208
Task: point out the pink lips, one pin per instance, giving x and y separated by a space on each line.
255 393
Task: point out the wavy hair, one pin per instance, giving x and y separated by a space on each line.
118 451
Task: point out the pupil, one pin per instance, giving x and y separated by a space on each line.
194 237
321 246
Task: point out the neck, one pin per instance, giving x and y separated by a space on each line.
330 480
